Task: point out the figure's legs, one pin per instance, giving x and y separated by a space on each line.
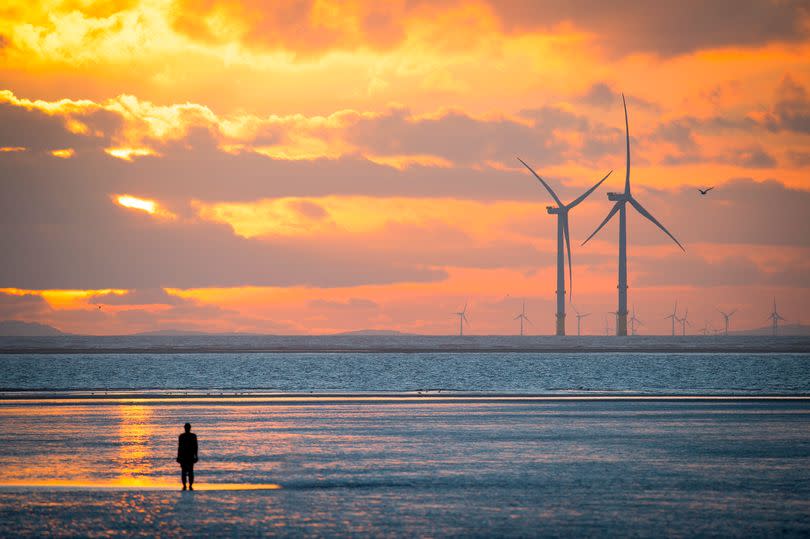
191 477
183 474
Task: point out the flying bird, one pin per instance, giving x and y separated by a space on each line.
704 191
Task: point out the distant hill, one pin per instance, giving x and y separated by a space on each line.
373 332
794 330
18 328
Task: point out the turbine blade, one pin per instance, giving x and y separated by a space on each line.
627 134
732 312
584 315
464 316
516 318
568 246
551 192
609 215
639 208
584 195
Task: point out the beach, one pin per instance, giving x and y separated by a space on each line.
326 466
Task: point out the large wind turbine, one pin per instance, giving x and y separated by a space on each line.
522 316
462 317
579 319
561 211
673 316
726 317
621 200
776 317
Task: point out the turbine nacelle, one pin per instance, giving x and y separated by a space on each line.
618 197
554 210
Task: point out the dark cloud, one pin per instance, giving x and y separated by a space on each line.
799 158
792 109
754 157
740 211
664 28
694 270
38 131
462 139
26 306
601 95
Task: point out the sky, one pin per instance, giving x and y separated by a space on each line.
322 167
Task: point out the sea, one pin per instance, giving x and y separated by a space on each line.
398 437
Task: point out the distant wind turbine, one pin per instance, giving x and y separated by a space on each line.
706 328
673 316
776 317
634 321
726 317
561 211
580 316
607 326
684 321
462 318
621 200
522 316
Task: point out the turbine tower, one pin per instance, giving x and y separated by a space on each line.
634 321
462 317
673 316
522 316
561 211
726 317
776 317
579 319
607 326
683 322
621 200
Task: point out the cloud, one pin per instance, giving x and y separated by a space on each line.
350 304
696 271
143 296
663 28
667 29
791 111
23 306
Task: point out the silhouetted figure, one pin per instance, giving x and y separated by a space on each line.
187 455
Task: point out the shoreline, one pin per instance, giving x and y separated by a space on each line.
372 397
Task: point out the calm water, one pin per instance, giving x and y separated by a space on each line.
489 469
693 373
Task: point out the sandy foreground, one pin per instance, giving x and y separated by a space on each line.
473 467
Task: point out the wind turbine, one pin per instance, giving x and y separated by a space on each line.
462 317
561 211
683 322
620 206
633 321
726 317
579 319
776 317
522 316
673 316
607 326
706 328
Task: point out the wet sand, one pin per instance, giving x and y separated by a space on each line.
584 467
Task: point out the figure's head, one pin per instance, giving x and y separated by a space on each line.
187 426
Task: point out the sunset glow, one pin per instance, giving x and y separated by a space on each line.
128 201
326 167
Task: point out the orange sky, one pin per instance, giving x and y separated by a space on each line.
327 166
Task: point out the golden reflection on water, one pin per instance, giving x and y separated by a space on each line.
134 452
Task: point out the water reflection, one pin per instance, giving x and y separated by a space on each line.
135 433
